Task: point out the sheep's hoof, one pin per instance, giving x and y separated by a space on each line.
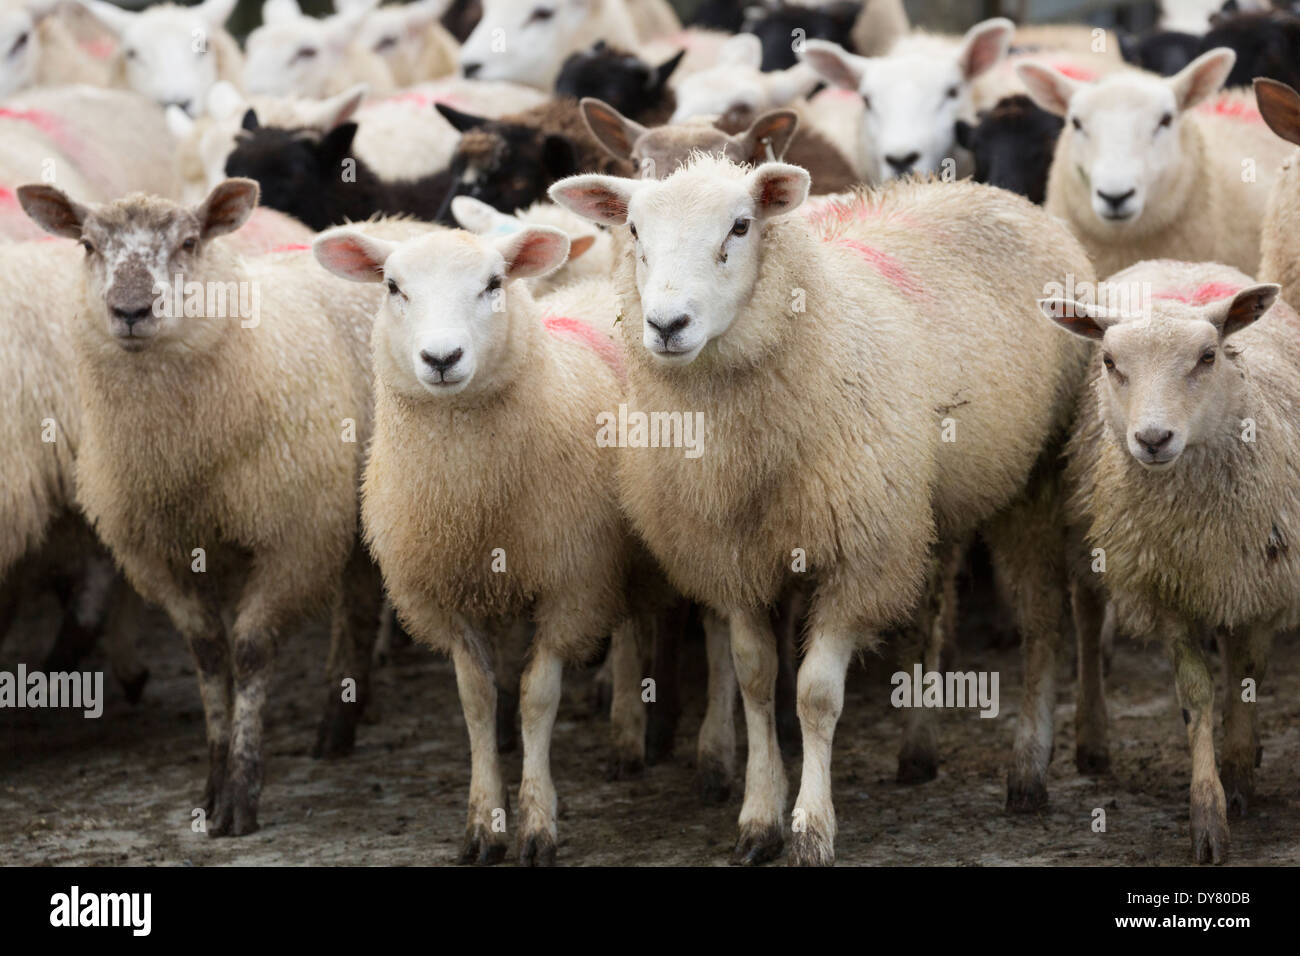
624 766
917 765
1091 760
757 844
810 848
337 734
133 687
537 849
1209 837
213 790
482 847
712 783
1026 796
1238 788
236 813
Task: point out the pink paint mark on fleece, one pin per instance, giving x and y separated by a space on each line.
1232 108
54 127
425 101
290 247
8 197
101 48
1209 292
890 268
1075 72
584 333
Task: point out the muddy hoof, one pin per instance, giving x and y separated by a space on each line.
337 733
917 766
1091 761
1209 836
133 687
757 844
712 784
624 767
537 849
482 847
811 848
236 813
1238 788
1027 796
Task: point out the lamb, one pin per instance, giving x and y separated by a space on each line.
40 50
292 53
547 573
773 135
625 81
922 77
410 40
200 440
859 494
1012 146
1172 470
880 24
1280 243
318 181
736 88
170 54
1159 167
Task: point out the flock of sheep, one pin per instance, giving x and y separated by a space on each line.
262 375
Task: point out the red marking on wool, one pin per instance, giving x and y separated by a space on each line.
290 247
1209 292
7 196
101 48
53 126
428 100
1232 109
584 333
1075 72
890 268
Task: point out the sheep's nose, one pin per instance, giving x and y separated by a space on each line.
669 328
902 164
441 363
1153 439
131 316
1116 200
470 69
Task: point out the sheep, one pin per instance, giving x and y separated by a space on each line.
736 88
1012 146
410 40
317 179
777 22
200 439
170 54
1266 44
1167 481
773 135
912 97
880 24
292 53
468 455
728 304
1196 16
625 81
1148 166
1164 52
40 50
1279 259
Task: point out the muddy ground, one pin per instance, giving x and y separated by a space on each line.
120 789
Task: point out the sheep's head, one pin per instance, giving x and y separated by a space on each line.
20 43
1123 140
506 165
776 21
736 89
292 53
397 32
1013 145
166 52
697 240
623 80
663 150
137 250
1168 374
441 330
912 98
526 41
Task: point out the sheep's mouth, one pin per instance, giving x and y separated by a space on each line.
1158 462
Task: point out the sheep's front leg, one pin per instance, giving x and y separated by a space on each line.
539 700
485 830
753 652
821 700
1209 816
715 760
627 713
353 631
1091 752
1245 657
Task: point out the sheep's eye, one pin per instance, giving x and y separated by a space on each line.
740 227
18 44
1109 362
952 93
493 284
540 15
304 53
1165 121
393 289
1074 121
632 229
387 43
1207 357
87 245
190 244
866 101
131 54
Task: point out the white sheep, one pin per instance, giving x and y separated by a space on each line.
410 38
912 97
1280 243
216 393
38 49
170 54
1152 167
1183 469
751 316
487 498
736 88
295 54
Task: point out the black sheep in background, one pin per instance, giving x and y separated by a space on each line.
1267 44
625 81
775 25
1164 52
1013 146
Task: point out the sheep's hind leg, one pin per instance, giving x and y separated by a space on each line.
1091 752
715 760
1209 815
821 700
1245 657
627 713
539 700
485 829
354 629
753 652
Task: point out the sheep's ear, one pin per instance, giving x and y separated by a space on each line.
250 122
784 86
984 45
477 216
964 133
216 12
834 64
660 74
353 255
580 244
1202 77
1049 88
281 11
774 130
601 199
1280 106
743 49
52 210
1084 319
778 188
336 144
227 207
612 129
462 122
329 113
533 251
1248 305
113 18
